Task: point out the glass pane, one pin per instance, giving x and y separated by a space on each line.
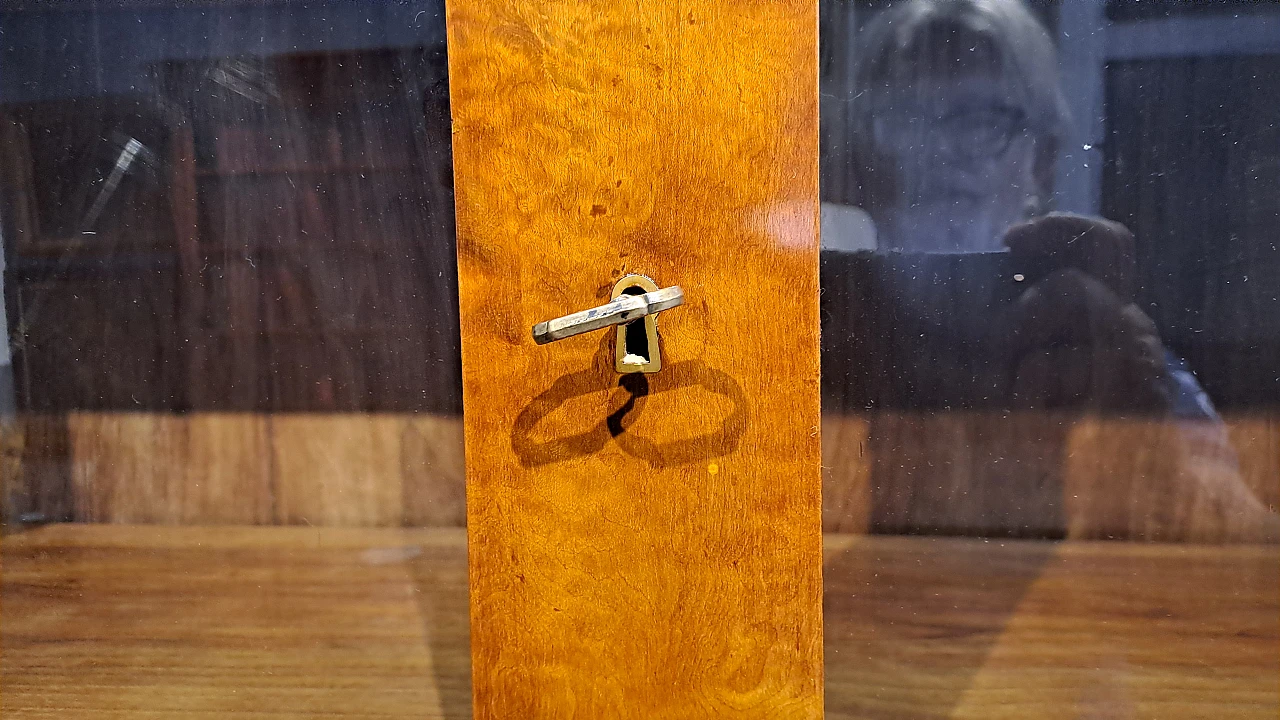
233 411
1050 358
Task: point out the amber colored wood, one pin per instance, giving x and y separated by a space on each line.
955 628
42 477
219 470
122 469
248 622
367 470
673 570
13 500
375 470
224 467
1160 481
330 470
127 622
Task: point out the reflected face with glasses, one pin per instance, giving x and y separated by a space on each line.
956 118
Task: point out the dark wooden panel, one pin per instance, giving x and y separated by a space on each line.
98 343
328 232
313 225
1193 168
925 439
79 207
1129 10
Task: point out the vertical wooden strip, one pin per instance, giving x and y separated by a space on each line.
127 467
227 467
432 468
341 469
649 549
1256 439
846 474
170 469
44 485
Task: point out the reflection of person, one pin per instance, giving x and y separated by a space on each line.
957 116
957 121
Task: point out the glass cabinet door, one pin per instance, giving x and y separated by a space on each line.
935 371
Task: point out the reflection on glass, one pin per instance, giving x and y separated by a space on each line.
956 124
1051 315
979 299
1003 359
231 299
1036 231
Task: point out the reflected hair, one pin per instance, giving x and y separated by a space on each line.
914 39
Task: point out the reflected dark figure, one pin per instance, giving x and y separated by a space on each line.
957 120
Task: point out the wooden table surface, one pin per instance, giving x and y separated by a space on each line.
153 622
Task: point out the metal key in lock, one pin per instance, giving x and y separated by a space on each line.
633 307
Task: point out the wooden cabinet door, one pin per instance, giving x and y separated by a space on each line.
641 546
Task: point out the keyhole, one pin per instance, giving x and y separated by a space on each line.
636 349
636 337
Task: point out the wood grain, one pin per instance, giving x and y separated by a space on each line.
13 498
225 469
955 628
122 469
220 471
1160 481
240 468
846 474
128 622
1256 438
1052 475
334 471
293 257
268 622
665 563
433 469
43 475
367 470
169 469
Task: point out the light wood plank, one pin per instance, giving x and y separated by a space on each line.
433 471
227 468
1257 439
338 469
846 473
121 469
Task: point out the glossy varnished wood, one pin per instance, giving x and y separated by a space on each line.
130 622
650 550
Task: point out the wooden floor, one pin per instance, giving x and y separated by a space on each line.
150 622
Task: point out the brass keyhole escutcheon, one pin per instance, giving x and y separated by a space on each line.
636 348
633 307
